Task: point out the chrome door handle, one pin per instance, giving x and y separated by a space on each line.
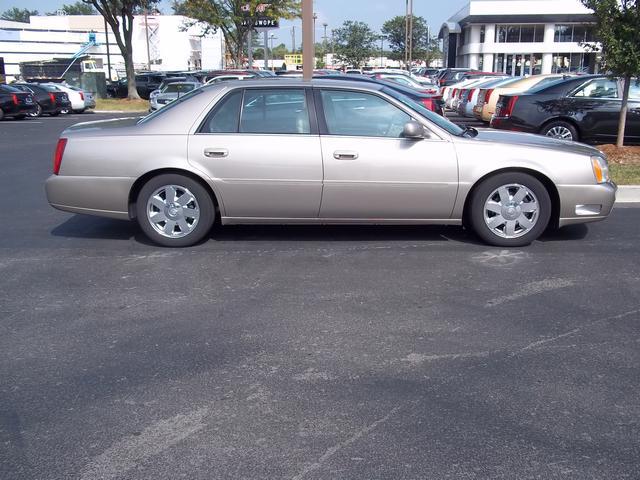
345 155
216 152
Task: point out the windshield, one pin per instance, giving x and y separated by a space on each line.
178 88
440 121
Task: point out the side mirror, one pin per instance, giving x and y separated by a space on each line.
414 130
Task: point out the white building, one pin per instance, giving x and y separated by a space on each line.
520 37
172 44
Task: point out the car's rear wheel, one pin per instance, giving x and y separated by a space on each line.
510 209
37 112
561 130
174 210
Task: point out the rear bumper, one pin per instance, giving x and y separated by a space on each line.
585 203
101 196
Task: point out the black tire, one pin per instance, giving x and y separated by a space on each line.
37 113
485 191
1 114
571 132
20 117
54 114
202 198
78 111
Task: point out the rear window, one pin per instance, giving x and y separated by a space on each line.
50 88
8 89
170 106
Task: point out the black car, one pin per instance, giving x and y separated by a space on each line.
49 99
585 109
15 103
449 76
435 103
147 83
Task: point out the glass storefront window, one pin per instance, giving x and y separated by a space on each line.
519 33
498 63
482 34
563 33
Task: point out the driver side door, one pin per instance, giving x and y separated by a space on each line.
370 171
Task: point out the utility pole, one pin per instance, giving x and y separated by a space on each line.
324 45
250 48
406 33
381 51
106 37
410 35
272 37
146 27
293 39
266 49
307 40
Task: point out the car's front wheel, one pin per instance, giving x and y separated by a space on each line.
510 209
174 210
37 112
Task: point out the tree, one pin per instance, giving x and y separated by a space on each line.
18 14
78 8
119 14
394 31
354 43
227 16
617 30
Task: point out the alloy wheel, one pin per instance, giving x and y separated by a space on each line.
173 211
560 132
511 211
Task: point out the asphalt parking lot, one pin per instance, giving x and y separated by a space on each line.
309 352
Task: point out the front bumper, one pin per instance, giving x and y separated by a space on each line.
585 203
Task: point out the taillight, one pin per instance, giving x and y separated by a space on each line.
81 96
506 110
428 103
470 94
52 97
487 95
15 99
453 94
57 157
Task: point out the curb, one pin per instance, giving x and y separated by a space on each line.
120 111
628 194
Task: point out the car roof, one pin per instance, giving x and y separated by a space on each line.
347 82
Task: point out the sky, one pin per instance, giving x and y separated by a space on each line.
332 12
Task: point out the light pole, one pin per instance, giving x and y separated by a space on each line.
324 46
381 51
272 37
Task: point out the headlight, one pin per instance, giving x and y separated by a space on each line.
600 169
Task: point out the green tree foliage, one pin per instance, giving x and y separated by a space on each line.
618 31
425 46
227 16
354 43
77 8
18 14
119 14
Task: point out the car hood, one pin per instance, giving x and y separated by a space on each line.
532 140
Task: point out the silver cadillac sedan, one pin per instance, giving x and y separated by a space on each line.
286 151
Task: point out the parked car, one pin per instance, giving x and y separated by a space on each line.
168 80
148 82
524 84
429 101
353 71
469 95
403 73
89 98
49 99
321 152
450 92
76 97
585 109
407 81
226 78
118 88
15 103
449 76
172 92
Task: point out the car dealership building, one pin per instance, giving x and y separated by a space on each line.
520 37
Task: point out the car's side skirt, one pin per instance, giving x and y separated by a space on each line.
338 221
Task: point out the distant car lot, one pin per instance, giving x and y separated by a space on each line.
309 352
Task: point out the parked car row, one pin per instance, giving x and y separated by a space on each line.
582 108
20 100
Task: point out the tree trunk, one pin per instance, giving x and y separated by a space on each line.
131 75
623 111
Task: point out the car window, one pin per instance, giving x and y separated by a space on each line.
634 90
600 88
225 115
275 111
362 114
179 88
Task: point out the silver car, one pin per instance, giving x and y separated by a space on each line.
171 92
322 152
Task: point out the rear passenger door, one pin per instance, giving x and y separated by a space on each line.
596 106
261 147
